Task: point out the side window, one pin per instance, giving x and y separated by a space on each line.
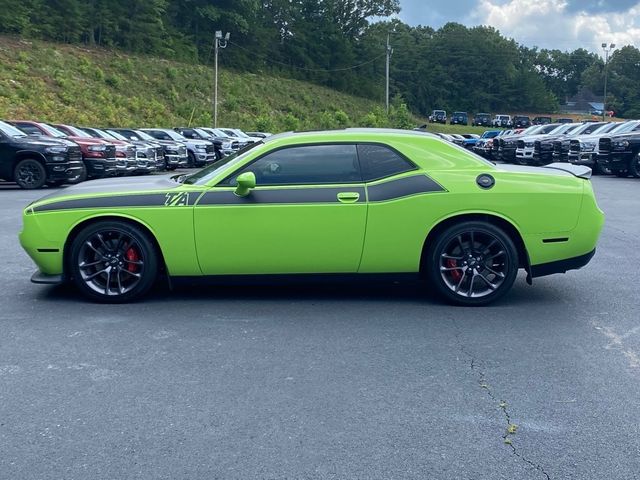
29 129
312 164
379 162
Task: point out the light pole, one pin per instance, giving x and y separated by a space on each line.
221 42
606 49
389 53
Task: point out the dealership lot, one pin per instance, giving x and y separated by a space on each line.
325 382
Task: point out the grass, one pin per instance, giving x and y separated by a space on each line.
91 86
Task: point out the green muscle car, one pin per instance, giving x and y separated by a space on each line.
357 203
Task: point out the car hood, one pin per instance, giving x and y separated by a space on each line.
89 141
43 141
113 186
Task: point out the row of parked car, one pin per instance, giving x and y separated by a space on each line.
35 154
606 147
499 121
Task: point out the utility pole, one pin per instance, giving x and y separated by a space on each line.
606 72
220 42
389 52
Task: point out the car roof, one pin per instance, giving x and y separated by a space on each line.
350 134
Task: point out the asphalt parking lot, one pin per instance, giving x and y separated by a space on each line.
313 382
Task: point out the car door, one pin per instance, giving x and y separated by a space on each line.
307 214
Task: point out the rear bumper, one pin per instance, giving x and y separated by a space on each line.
562 266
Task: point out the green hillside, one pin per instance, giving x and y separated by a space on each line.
62 83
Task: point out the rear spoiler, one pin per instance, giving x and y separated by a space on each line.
579 171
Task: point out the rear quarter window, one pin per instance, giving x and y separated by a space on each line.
379 161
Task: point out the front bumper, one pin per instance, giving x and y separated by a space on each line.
525 154
616 160
587 159
176 160
100 167
507 154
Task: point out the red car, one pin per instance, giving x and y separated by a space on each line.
98 156
125 152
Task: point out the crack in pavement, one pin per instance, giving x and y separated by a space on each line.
478 368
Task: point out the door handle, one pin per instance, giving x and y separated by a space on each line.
348 197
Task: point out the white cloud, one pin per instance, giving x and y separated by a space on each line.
552 24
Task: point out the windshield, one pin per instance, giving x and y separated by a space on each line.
76 132
207 173
583 128
202 133
606 128
567 127
54 132
11 131
532 130
174 135
142 135
625 127
116 135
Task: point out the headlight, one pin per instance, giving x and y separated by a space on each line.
200 147
97 148
59 149
226 145
528 144
588 146
623 143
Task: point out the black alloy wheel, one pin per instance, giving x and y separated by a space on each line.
30 174
113 262
473 263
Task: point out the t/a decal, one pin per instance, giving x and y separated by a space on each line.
179 199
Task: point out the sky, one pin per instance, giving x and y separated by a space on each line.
561 24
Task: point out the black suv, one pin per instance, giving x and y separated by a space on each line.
521 121
459 118
541 121
481 120
33 162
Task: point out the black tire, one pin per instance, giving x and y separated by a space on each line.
191 161
471 246
598 169
634 166
30 174
113 262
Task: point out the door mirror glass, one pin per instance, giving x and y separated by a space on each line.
245 183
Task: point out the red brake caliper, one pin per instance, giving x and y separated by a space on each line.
455 274
132 256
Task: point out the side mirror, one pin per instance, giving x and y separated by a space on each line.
245 182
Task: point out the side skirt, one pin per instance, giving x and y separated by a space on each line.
295 279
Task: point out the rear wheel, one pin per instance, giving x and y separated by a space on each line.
472 263
113 262
30 174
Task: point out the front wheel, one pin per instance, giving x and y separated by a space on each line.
30 174
113 262
472 263
634 166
